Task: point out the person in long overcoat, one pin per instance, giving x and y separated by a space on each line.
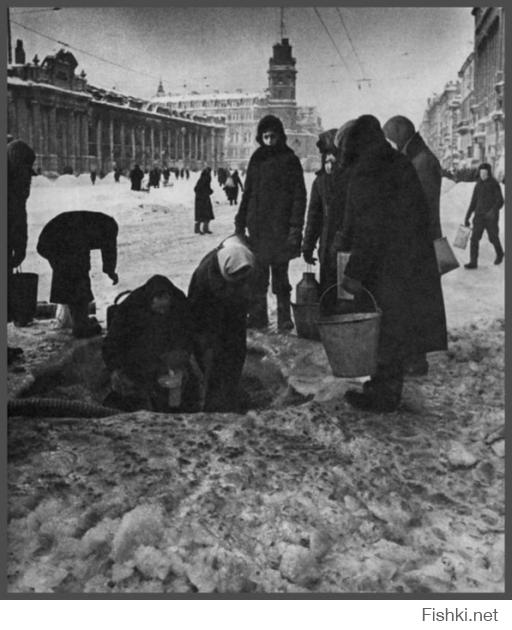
401 131
203 210
392 256
136 177
326 209
219 299
20 162
222 174
154 177
272 210
66 242
232 185
486 202
150 334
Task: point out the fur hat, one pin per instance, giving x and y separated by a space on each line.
325 142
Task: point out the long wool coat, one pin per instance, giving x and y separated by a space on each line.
273 204
391 251
20 160
66 242
428 170
219 314
203 210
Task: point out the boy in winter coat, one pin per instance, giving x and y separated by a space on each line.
486 201
272 210
219 300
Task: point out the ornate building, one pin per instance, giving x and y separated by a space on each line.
477 105
243 110
74 125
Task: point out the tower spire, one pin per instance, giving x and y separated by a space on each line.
282 23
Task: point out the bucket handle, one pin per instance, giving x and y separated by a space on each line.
120 295
335 285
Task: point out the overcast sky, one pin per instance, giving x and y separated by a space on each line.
408 53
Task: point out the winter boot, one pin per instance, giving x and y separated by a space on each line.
284 318
258 314
206 230
197 228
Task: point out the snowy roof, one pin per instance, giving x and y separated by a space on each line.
215 96
47 86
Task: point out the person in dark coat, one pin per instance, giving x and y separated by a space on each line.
272 210
20 162
203 210
219 299
166 172
93 175
222 175
154 177
136 177
392 256
232 185
150 335
325 213
400 130
486 202
117 174
66 242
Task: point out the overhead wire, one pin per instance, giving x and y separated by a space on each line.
333 42
350 40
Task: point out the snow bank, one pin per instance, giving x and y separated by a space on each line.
40 181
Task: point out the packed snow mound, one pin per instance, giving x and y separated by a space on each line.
40 181
66 181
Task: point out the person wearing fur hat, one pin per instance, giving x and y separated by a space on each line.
324 223
218 295
272 210
486 202
392 256
401 132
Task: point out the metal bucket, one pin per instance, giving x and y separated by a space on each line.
306 318
23 297
351 340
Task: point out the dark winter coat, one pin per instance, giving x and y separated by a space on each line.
487 198
154 177
136 177
274 200
222 175
66 242
20 162
428 170
138 338
219 313
203 210
392 254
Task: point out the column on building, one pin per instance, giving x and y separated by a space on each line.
160 144
111 140
123 160
134 144
99 144
85 143
38 141
53 137
152 144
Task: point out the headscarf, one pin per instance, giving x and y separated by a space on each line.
233 255
270 123
399 130
365 139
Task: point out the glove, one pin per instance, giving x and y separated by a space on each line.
114 277
308 257
352 286
466 222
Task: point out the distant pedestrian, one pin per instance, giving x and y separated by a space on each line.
93 175
117 174
154 177
231 187
400 130
222 175
166 172
136 177
203 210
182 173
20 162
187 173
486 202
219 300
272 210
66 242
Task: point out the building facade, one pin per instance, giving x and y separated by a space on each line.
76 126
477 106
242 111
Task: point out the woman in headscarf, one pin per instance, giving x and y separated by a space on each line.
219 300
149 335
392 256
203 210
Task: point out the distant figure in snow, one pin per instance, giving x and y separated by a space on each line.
136 177
117 174
203 210
66 242
93 175
231 187
166 172
154 177
222 175
486 202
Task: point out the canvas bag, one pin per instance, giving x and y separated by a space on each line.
462 237
446 260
